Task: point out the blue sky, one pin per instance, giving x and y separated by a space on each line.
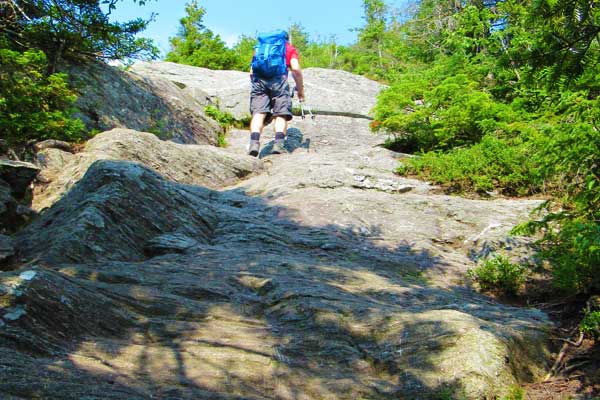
230 19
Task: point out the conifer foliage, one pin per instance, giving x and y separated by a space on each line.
197 45
73 29
503 96
35 37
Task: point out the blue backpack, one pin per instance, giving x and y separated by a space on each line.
269 55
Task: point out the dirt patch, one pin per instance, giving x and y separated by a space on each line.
577 378
577 375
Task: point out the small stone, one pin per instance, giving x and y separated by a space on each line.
404 188
170 243
65 300
18 175
385 388
27 275
329 246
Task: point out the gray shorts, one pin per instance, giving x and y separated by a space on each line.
271 96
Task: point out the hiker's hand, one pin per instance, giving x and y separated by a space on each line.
301 94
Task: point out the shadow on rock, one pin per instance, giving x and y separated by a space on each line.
294 140
258 307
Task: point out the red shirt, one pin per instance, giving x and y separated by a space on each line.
290 52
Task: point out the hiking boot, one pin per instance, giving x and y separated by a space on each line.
278 147
254 147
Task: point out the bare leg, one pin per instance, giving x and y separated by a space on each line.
258 122
280 131
281 125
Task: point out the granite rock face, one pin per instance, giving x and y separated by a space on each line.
191 164
111 98
160 270
100 218
230 90
337 173
228 294
327 91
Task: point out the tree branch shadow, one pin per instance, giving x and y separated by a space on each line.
267 308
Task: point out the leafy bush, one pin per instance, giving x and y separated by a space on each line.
488 165
570 162
572 245
197 45
515 393
440 108
499 273
74 29
225 119
34 105
591 323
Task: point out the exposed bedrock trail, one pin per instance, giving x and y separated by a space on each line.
317 274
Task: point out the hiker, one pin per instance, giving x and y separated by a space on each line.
270 96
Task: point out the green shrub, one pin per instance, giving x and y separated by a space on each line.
490 164
591 324
34 105
514 393
569 161
499 273
572 246
225 119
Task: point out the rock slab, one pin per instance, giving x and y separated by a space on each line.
327 91
191 164
241 299
324 276
112 98
100 219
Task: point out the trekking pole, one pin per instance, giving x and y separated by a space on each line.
303 107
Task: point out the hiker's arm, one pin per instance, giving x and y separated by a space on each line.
297 74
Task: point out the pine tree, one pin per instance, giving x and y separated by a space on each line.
197 45
73 29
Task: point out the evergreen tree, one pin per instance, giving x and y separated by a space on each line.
35 102
197 45
244 50
299 37
505 96
371 36
73 29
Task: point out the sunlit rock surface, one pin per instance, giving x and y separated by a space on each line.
192 164
327 91
317 274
